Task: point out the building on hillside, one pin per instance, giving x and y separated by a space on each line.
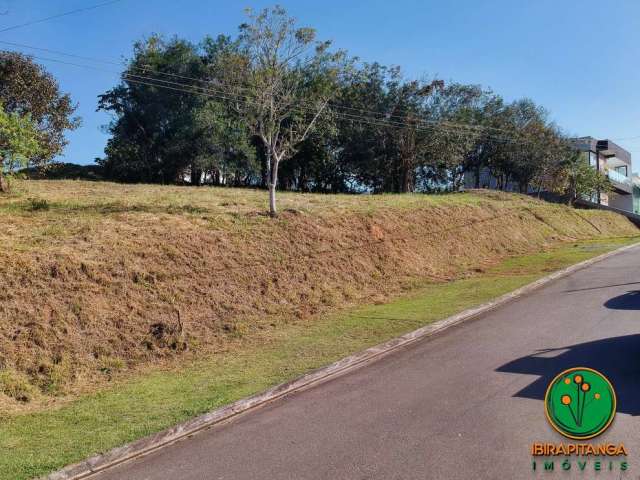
604 155
615 162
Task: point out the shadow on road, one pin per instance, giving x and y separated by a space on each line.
628 301
618 358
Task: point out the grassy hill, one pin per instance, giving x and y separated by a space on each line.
126 309
97 278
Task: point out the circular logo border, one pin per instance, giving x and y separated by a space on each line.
613 396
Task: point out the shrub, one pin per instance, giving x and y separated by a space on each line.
17 386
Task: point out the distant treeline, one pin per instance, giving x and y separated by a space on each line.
175 120
63 171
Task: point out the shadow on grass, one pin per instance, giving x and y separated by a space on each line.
618 358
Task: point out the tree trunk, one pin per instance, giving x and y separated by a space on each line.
266 169
196 176
4 186
406 186
572 193
273 181
477 177
302 183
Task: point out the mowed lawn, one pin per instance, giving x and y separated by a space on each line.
34 444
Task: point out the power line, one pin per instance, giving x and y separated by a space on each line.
385 115
59 15
224 95
64 54
179 87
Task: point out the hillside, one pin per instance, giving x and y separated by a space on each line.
98 278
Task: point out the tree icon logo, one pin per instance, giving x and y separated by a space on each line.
580 403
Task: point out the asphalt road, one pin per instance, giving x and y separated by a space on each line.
465 404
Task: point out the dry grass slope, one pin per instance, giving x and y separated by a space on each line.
99 278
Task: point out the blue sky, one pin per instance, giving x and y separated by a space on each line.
577 58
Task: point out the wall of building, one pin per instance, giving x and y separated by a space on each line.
622 202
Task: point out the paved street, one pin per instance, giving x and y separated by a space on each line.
466 404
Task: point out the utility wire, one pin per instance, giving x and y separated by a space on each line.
59 15
180 87
64 54
384 115
221 94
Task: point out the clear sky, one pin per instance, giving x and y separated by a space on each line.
578 58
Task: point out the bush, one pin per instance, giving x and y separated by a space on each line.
17 386
36 204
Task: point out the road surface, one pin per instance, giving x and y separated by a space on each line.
465 404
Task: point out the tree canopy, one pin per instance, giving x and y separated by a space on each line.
20 140
27 88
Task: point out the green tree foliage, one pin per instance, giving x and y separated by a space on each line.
26 88
574 178
163 130
531 143
383 130
452 144
20 141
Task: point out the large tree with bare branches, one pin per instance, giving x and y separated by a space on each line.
280 80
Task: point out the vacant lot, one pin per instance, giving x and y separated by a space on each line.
97 279
125 309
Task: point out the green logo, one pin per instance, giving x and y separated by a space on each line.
580 403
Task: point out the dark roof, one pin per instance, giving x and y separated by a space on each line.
605 147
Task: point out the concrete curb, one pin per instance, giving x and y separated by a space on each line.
149 444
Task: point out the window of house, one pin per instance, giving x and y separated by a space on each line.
622 170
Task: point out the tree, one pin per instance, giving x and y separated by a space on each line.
383 134
453 147
413 139
363 136
576 179
19 141
471 104
224 152
316 166
27 88
152 134
168 120
522 146
281 80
